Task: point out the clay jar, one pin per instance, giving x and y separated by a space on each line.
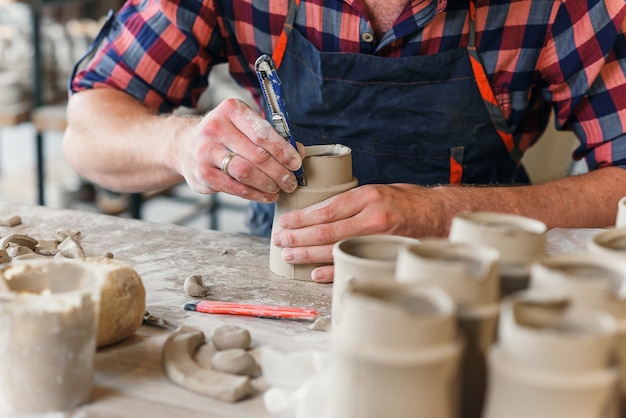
328 172
364 259
594 282
620 220
519 241
469 274
396 353
609 242
553 358
48 327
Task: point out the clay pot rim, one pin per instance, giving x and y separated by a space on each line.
376 239
418 356
602 240
483 219
84 286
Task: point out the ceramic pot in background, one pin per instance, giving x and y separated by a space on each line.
328 172
553 358
593 282
519 241
469 274
610 241
48 327
364 259
396 352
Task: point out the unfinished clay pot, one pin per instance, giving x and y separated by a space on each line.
48 328
553 358
396 352
469 274
620 220
518 239
365 258
610 241
594 282
328 172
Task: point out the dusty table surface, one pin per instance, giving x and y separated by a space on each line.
129 380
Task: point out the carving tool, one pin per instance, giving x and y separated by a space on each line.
246 309
273 94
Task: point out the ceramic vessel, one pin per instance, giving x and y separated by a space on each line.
328 172
365 258
397 353
519 241
591 281
48 325
469 274
610 241
553 358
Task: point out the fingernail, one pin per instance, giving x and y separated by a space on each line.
290 182
276 239
287 254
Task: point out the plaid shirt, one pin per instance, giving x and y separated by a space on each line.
538 54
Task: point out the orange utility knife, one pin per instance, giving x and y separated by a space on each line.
247 309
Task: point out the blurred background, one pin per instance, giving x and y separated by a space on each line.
40 40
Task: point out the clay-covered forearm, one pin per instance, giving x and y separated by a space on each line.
117 142
583 201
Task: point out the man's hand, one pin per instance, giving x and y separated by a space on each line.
263 161
309 234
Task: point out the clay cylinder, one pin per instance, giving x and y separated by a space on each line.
396 353
610 242
48 327
328 172
519 241
469 274
593 282
364 259
620 220
553 358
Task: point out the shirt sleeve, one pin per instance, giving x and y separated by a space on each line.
159 52
584 64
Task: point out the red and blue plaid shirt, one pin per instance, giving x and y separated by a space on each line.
569 55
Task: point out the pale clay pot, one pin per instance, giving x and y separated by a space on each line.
519 241
553 358
396 352
620 220
328 172
48 328
469 274
591 281
610 241
364 259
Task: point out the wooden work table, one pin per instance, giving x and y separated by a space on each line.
129 380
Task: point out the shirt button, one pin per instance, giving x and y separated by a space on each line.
367 37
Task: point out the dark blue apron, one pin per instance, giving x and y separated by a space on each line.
419 120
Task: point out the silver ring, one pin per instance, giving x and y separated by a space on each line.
226 161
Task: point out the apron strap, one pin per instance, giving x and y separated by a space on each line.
486 92
281 46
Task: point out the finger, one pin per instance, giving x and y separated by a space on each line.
243 171
323 274
308 255
263 147
341 206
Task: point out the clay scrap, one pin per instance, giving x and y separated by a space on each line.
194 363
195 287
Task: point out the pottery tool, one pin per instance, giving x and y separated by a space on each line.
246 309
273 94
